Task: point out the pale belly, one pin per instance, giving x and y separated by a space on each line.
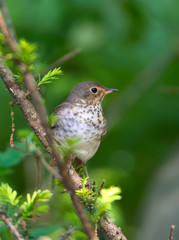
87 128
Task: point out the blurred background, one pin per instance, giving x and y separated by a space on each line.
129 45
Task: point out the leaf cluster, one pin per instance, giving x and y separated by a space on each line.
87 196
8 196
29 208
26 53
105 200
20 211
98 204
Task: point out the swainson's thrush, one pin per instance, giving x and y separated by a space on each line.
81 116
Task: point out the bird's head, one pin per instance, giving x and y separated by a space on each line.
89 93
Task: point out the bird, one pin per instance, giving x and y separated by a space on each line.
81 117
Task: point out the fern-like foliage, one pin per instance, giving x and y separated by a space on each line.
19 77
20 212
87 195
29 208
51 75
7 195
105 200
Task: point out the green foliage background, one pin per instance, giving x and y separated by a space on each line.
129 45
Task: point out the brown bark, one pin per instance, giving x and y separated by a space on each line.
11 226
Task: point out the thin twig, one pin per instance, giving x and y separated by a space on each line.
24 104
50 169
11 226
4 30
68 233
171 232
61 60
102 184
7 19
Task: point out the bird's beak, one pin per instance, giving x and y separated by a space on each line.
110 90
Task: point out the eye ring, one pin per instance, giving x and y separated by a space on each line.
94 90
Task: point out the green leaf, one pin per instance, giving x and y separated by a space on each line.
105 200
53 120
51 75
30 208
7 195
11 156
19 76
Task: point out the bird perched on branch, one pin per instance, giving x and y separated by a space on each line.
80 116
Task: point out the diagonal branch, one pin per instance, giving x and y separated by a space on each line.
68 233
7 18
4 30
11 226
37 120
61 60
43 133
108 227
24 104
39 117
171 232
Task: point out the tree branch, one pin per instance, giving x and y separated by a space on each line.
37 120
7 19
10 225
171 232
4 30
108 227
24 104
61 60
68 233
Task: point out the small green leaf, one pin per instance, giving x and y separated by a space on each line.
19 76
53 119
30 208
7 195
51 75
71 141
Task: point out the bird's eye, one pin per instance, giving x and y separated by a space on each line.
94 90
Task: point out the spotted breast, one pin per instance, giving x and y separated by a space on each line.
81 116
84 122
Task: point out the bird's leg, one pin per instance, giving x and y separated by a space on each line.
86 171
